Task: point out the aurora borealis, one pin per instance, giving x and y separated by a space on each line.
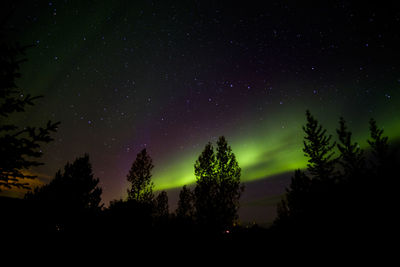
173 75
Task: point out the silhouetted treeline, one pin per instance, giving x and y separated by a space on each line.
69 206
70 199
209 209
344 189
344 194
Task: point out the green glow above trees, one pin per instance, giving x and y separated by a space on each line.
270 149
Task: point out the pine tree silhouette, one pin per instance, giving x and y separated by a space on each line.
19 146
351 155
379 144
318 149
355 205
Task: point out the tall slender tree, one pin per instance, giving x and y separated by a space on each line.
351 155
379 144
139 176
307 196
383 181
319 149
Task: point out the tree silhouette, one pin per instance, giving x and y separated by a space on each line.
185 209
379 144
351 156
136 216
19 146
218 187
129 218
140 178
70 195
382 176
309 199
318 149
228 176
297 200
206 187
318 206
161 206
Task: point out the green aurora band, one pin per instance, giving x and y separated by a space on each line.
274 147
77 62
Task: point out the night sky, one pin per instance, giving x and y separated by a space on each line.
173 75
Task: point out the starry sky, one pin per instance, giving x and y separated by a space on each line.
171 76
